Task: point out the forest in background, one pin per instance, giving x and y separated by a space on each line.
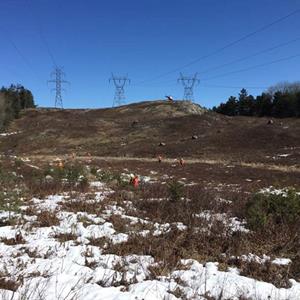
12 100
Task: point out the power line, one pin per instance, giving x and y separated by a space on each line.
251 55
40 32
233 62
212 86
234 87
119 82
261 29
20 53
253 67
58 75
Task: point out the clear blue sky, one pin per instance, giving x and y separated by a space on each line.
144 39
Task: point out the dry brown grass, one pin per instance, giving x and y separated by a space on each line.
47 219
13 241
278 275
82 204
9 284
219 137
99 242
203 240
65 237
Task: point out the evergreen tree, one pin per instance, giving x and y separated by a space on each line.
229 108
281 101
285 105
245 103
12 101
263 105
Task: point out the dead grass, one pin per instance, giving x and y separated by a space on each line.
120 224
168 249
203 240
155 203
83 204
219 137
13 241
269 272
9 284
99 242
65 237
47 219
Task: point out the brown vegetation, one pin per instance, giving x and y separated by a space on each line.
109 132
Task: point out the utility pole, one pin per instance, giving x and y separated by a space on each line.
188 83
58 76
119 83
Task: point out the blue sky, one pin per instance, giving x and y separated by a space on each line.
146 39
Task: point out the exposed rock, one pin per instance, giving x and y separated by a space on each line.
189 107
49 178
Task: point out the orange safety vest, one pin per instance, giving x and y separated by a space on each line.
135 182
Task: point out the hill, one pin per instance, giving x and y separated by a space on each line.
147 129
223 225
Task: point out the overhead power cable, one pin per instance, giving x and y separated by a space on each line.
239 59
20 53
219 50
253 67
40 32
234 87
251 55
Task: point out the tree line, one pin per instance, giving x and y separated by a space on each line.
280 101
12 100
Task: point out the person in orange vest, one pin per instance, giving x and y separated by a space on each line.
181 161
61 164
135 181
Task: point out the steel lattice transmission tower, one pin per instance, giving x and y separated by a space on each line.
188 82
119 83
58 76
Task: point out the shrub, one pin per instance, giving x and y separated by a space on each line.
94 171
272 208
10 201
72 174
176 191
109 177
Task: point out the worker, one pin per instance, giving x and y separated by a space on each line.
135 181
181 161
170 98
61 164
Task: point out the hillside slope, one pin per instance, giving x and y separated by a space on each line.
137 130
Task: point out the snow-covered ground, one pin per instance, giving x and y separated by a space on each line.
9 133
49 265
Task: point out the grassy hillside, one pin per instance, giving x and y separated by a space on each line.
136 130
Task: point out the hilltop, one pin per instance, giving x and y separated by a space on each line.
149 128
